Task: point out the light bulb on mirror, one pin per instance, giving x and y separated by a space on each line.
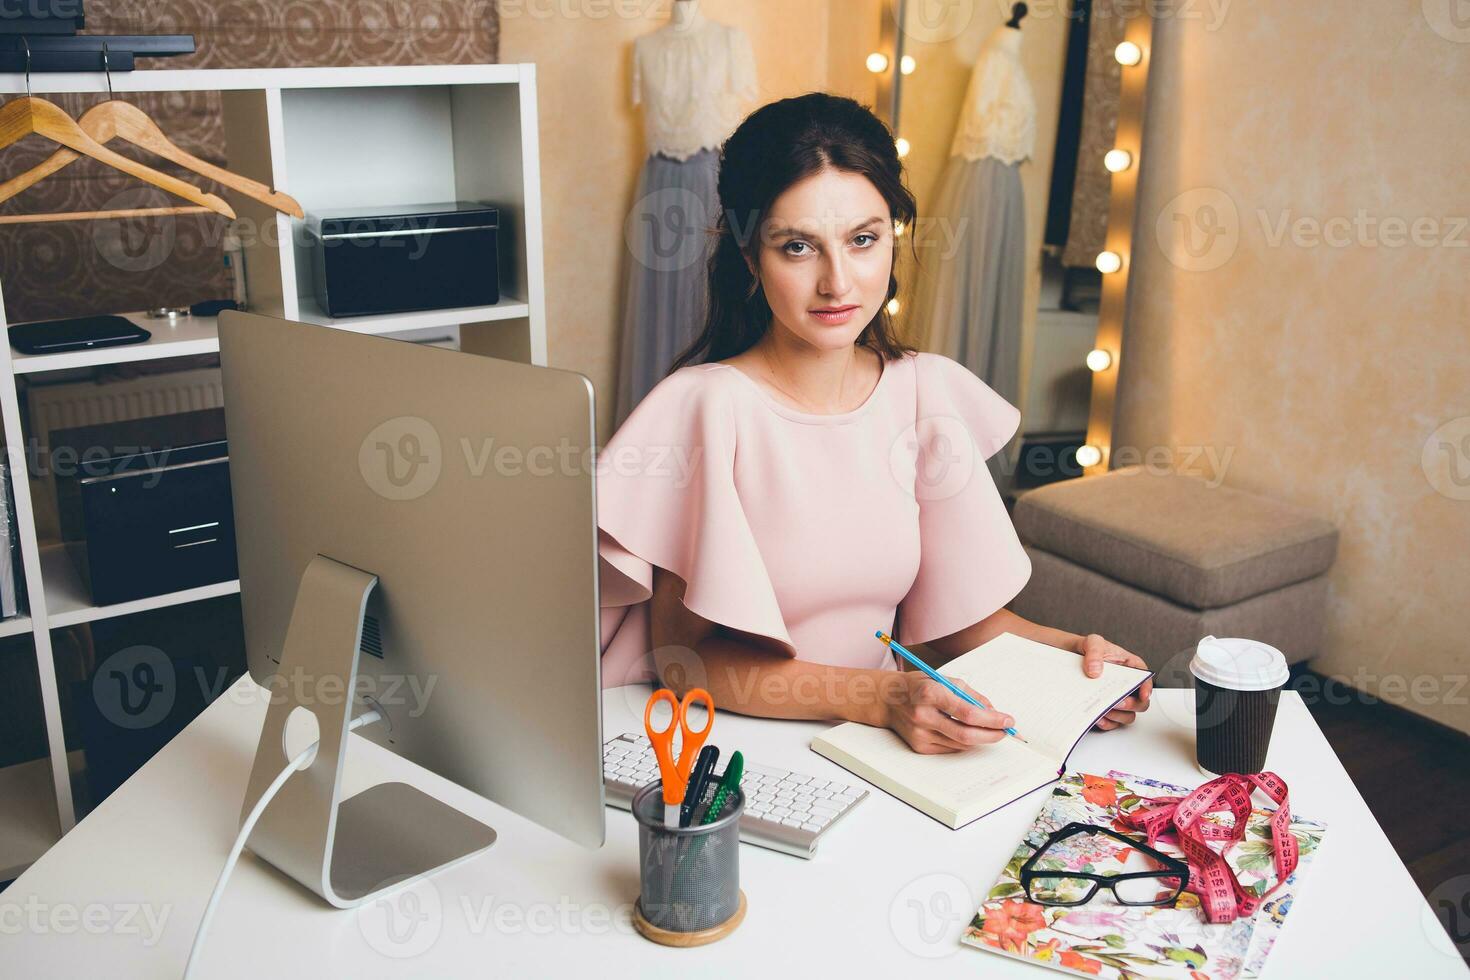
1128 54
894 306
1099 360
898 229
877 62
1117 161
1109 262
1089 456
907 64
903 147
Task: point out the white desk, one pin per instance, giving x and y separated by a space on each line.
888 893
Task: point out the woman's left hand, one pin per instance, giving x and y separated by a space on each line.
1095 651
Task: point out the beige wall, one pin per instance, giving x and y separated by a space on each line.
932 98
1325 367
592 143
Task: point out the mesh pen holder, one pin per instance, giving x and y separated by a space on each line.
689 876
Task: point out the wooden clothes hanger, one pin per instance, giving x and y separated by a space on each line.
113 119
23 116
1018 14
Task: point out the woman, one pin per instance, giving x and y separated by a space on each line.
801 479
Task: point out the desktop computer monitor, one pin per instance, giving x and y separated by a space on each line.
419 525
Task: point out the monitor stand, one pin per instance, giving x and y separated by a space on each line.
347 851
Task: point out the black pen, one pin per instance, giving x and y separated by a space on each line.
698 782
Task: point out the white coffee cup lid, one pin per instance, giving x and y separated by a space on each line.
1238 664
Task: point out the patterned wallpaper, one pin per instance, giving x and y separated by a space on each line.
72 268
1093 189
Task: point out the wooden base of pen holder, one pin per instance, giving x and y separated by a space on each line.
667 937
689 877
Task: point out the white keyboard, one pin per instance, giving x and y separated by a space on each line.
785 811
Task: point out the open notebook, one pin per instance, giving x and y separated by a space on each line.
1043 688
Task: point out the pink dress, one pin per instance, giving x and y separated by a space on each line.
813 531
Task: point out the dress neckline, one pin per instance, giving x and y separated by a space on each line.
814 418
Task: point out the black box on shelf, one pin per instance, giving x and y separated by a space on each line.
145 504
399 259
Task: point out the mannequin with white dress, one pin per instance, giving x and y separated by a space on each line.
693 78
970 303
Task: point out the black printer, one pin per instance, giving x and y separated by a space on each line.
145 504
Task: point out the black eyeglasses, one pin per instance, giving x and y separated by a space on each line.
1161 886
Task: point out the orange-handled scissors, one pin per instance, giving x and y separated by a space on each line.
673 769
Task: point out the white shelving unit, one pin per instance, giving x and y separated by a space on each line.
332 138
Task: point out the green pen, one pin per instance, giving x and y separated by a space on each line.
729 782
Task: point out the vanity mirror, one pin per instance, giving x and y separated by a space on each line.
1021 132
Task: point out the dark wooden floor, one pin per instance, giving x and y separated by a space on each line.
1396 758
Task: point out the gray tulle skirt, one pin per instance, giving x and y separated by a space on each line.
668 234
973 282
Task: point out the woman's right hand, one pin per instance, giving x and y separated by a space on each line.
933 720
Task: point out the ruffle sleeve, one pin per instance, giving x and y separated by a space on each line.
666 497
971 560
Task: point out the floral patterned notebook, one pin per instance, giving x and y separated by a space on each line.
1118 942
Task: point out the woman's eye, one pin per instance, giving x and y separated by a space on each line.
796 248
865 240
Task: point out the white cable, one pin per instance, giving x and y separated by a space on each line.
302 760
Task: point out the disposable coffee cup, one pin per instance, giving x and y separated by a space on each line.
1237 686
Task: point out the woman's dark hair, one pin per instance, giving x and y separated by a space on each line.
776 146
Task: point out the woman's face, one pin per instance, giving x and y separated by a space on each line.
825 256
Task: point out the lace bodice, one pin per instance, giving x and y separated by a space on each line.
999 116
694 80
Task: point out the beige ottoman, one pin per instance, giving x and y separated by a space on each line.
1156 561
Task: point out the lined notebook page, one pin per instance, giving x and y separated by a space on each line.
1043 688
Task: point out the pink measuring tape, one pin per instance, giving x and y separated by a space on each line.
1210 877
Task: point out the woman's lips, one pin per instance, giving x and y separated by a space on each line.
835 314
